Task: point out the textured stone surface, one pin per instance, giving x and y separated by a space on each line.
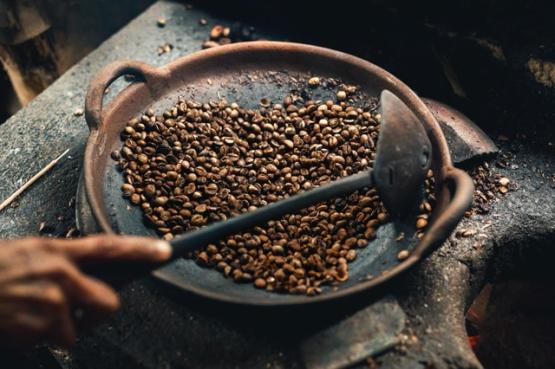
368 332
158 328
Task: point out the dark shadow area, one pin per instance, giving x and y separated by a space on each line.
516 328
478 56
8 101
512 322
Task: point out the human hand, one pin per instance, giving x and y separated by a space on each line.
41 284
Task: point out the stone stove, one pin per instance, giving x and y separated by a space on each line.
417 323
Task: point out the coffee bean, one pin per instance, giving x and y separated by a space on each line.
351 255
201 208
260 282
197 219
135 198
211 189
162 200
504 181
216 32
289 144
402 255
277 249
314 81
421 223
127 189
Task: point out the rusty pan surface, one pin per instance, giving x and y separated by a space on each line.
245 73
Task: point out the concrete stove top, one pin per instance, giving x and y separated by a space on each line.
158 329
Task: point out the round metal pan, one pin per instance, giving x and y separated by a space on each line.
245 73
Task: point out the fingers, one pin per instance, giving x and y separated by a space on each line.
90 294
36 311
51 289
112 248
63 328
22 328
60 328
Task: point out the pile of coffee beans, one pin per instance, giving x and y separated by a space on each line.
488 186
204 162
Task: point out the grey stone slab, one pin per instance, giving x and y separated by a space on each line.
368 332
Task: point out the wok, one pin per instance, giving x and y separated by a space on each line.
245 73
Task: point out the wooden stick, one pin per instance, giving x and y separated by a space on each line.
27 184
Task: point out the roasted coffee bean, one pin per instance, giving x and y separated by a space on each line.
200 163
127 189
216 32
403 254
211 189
314 81
135 199
161 200
260 282
421 223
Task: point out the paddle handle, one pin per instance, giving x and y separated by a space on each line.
194 240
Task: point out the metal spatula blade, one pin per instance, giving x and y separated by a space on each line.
403 157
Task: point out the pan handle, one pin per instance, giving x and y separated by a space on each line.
460 189
95 93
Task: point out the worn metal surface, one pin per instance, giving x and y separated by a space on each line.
466 140
156 329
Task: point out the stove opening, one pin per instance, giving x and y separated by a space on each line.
511 324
